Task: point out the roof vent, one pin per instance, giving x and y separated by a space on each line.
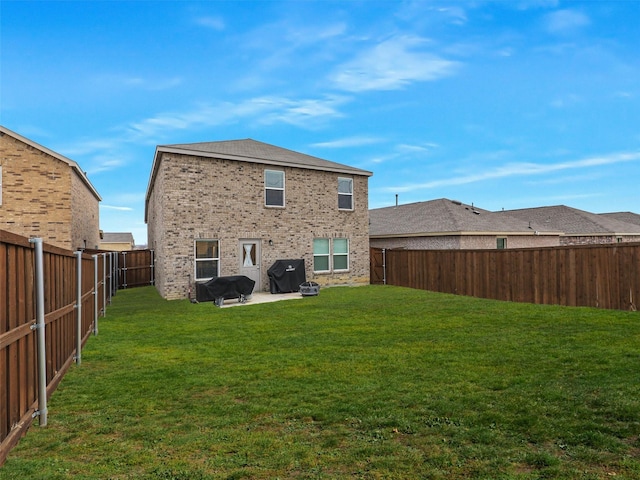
456 202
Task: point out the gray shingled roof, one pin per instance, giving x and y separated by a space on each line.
444 216
627 217
117 237
572 221
253 151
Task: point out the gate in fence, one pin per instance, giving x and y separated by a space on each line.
135 268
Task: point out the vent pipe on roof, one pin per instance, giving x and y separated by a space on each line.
396 199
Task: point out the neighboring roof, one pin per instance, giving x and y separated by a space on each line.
628 217
74 166
574 222
249 150
117 237
445 217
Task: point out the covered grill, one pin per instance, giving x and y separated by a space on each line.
286 276
220 288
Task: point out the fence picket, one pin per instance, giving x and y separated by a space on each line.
602 276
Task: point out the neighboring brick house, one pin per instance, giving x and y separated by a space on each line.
580 227
235 207
44 194
117 241
448 224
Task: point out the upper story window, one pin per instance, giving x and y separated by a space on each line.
345 193
207 259
274 188
501 243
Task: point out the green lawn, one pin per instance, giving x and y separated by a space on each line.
365 382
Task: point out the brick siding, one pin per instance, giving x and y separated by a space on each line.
194 197
43 197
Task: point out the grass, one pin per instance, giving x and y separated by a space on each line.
368 382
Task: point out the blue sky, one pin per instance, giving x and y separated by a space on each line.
504 104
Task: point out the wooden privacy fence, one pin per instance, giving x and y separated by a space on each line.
44 321
602 276
135 268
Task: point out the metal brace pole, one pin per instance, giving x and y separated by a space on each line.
384 266
95 294
78 307
153 264
104 284
117 271
110 276
124 269
40 327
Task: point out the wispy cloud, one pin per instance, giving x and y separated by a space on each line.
392 65
212 22
566 101
109 153
565 21
113 207
111 81
304 113
519 169
357 141
405 151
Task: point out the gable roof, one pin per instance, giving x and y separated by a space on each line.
249 150
445 217
628 217
74 166
117 237
574 222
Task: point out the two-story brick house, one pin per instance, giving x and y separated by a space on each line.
235 207
44 194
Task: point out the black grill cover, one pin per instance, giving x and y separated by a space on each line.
224 287
286 276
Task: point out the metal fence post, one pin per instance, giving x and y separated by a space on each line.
153 264
95 294
110 276
78 307
104 284
384 266
40 331
124 269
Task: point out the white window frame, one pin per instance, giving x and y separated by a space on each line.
331 255
341 254
327 255
267 188
205 259
345 194
502 240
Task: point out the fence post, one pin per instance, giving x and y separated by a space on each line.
95 294
104 284
153 264
40 331
384 266
78 307
124 269
110 276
